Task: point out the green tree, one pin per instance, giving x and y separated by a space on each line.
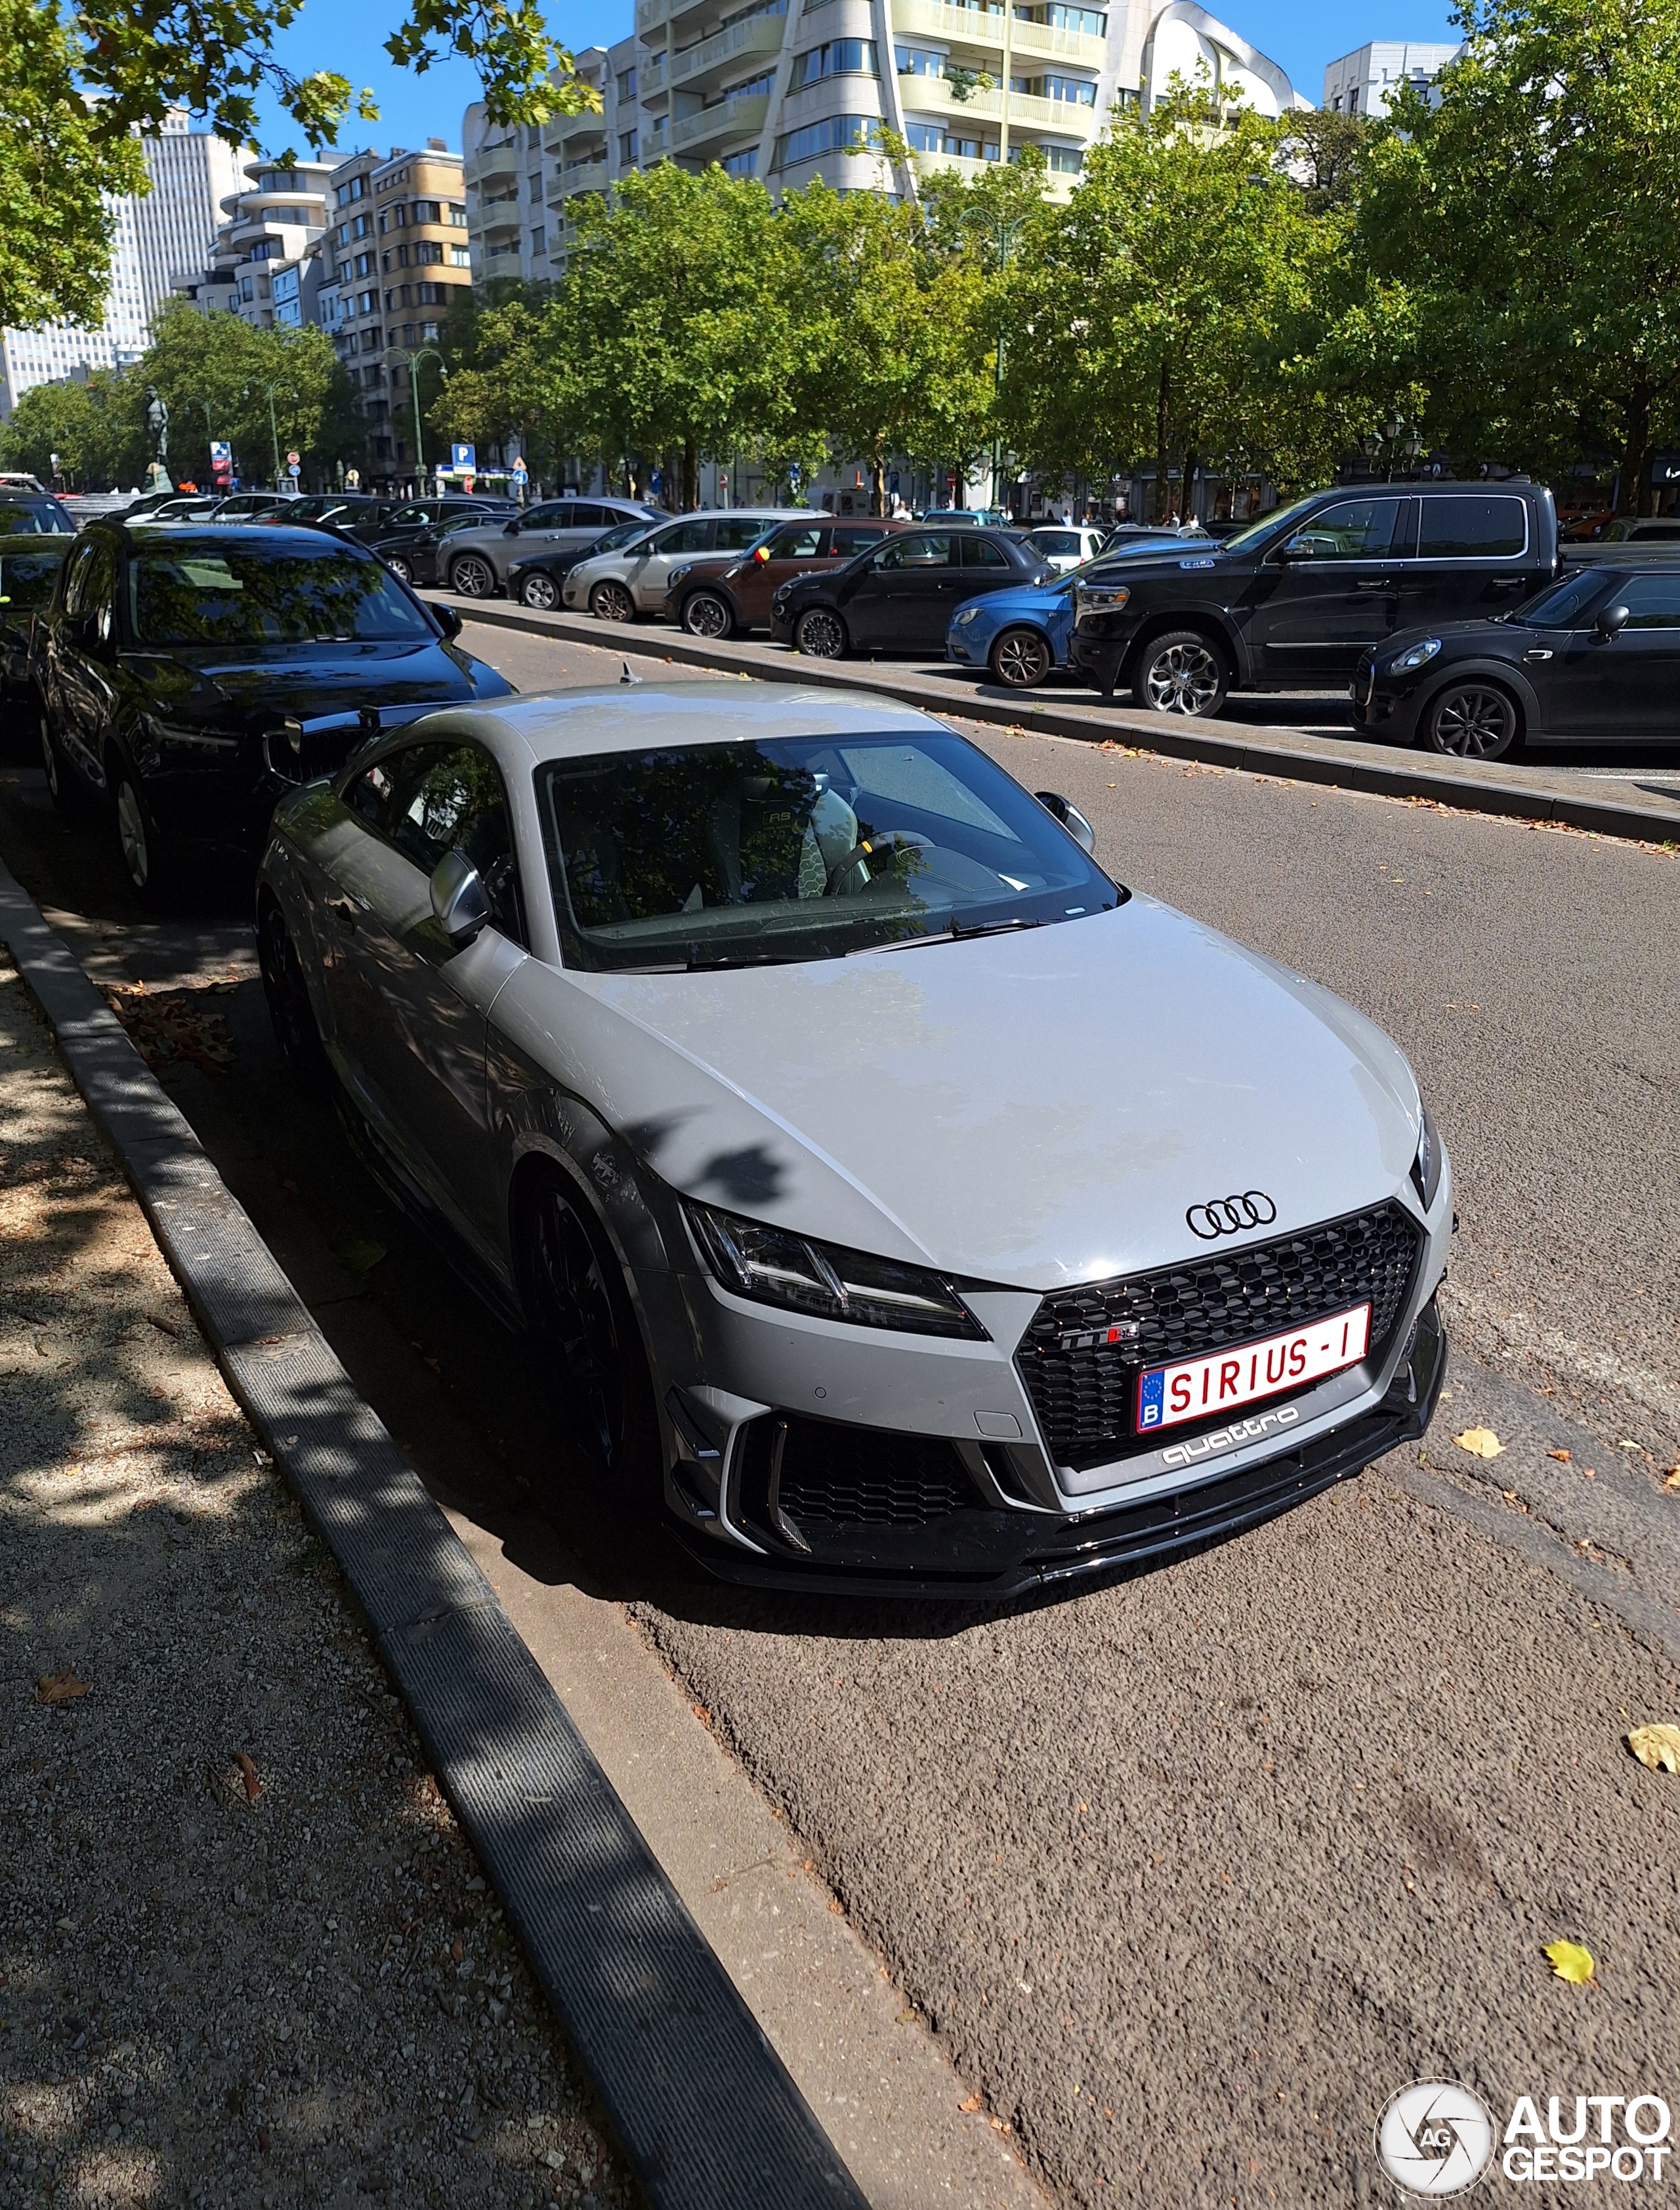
1528 208
95 429
217 375
77 85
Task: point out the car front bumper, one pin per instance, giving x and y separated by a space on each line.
1384 708
1098 656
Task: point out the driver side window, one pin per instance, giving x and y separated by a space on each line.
1357 529
427 799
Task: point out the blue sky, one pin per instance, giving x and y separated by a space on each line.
1302 34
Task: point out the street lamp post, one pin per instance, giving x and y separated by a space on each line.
1007 234
273 430
414 361
1398 438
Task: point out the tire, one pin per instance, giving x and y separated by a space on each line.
1472 720
290 1011
64 787
708 613
577 1309
401 569
612 602
820 634
147 857
539 591
472 576
1021 659
1181 672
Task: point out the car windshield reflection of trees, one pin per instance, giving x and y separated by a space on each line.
27 578
798 848
183 594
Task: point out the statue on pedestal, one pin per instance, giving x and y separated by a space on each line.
158 477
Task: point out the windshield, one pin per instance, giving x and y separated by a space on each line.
312 591
1561 605
43 519
1259 530
798 847
627 532
27 578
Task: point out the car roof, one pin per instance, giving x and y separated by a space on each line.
531 729
215 537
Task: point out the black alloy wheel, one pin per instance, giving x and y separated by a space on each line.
539 590
1021 659
1181 672
612 602
1473 720
820 634
472 576
579 1314
708 614
290 1011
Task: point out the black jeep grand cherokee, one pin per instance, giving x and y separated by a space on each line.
1291 602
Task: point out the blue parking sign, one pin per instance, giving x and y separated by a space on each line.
464 458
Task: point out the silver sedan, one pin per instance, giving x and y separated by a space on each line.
895 1199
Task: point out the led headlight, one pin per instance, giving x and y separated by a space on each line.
968 615
1103 598
775 1267
1426 1167
1416 655
677 574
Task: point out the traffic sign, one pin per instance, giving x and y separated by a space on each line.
294 470
221 457
521 473
464 458
293 460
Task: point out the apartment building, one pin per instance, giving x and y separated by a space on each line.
1364 81
395 249
157 233
275 223
791 89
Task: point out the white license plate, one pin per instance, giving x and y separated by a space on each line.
1197 1387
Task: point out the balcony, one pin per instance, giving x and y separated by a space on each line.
934 165
491 165
563 133
650 19
1044 42
932 95
963 26
743 116
698 66
577 177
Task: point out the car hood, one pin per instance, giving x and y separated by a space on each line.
1036 602
251 688
1028 1110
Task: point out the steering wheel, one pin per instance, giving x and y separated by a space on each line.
880 846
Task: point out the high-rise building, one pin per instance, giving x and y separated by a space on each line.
394 250
157 233
1363 82
791 89
273 222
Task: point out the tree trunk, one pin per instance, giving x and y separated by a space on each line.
877 475
1162 425
1191 462
690 476
1633 485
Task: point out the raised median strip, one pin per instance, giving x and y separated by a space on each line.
702 2106
1557 795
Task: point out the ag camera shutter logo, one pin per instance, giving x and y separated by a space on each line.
1436 2138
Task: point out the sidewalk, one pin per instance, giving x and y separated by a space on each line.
245 1957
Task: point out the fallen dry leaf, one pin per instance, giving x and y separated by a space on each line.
247 1771
1480 1442
1569 1961
60 1687
1671 1478
970 2105
167 1027
1657 1747
1561 1456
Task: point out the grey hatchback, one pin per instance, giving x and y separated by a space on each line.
479 559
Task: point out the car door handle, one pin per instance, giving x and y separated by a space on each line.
1374 583
347 908
1509 582
1540 652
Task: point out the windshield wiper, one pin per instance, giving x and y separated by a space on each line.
993 928
947 935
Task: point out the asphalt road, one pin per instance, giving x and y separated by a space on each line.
1191 1872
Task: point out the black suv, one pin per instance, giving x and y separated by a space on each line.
1291 602
899 596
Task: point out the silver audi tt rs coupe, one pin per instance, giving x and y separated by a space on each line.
910 1205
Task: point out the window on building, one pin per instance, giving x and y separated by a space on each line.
355 189
918 61
829 137
742 165
1063 160
630 147
627 84
428 211
399 217
540 241
934 138
747 88
372 341
535 181
364 264
837 57
1090 22
1079 91
360 227
428 333
381 225
455 216
460 257
428 249
367 303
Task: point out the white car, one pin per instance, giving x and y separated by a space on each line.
905 1202
618 586
1066 546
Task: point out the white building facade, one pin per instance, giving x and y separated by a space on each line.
157 233
275 221
1364 81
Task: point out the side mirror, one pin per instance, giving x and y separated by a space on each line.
511 528
1072 819
450 620
1298 548
458 901
761 553
1611 622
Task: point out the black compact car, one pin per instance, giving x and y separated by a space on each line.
23 514
1290 602
413 549
191 674
536 582
1594 656
899 596
28 576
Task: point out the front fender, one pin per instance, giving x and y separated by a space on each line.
1490 671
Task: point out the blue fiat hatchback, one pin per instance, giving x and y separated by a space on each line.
1020 635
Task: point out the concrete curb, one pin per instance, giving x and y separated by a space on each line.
700 2102
1521 793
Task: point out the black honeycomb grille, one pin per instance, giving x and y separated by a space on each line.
862 1478
1084 1396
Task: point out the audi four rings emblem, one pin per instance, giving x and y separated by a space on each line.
1227 1215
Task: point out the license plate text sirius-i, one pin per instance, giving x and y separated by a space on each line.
1196 1387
